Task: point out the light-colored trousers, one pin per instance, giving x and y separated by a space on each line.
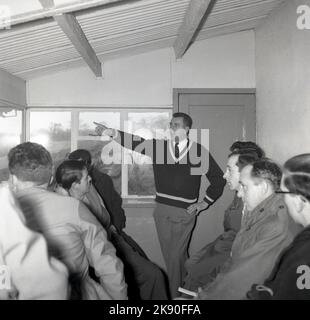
174 228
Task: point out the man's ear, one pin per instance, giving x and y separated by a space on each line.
51 180
74 186
299 202
13 181
265 186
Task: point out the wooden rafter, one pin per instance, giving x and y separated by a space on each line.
72 29
70 26
196 11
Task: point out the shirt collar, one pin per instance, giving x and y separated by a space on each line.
182 144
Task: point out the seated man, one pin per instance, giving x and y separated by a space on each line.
290 277
73 234
265 230
31 273
145 279
203 266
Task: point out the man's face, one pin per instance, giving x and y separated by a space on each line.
178 130
232 174
250 190
83 186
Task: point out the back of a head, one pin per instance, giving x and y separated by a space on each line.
297 175
30 162
68 172
247 151
81 154
250 146
268 170
246 157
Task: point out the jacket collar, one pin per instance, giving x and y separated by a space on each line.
266 208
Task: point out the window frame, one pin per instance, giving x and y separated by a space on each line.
129 200
18 108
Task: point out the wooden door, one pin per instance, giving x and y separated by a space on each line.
229 115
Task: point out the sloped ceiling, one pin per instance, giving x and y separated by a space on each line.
37 47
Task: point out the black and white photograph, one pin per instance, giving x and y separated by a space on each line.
155 154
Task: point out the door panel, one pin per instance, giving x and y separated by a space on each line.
229 117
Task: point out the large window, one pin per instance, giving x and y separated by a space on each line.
10 136
62 131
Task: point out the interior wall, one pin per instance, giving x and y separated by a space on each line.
12 90
283 90
147 80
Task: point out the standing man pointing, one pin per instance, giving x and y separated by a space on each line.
178 165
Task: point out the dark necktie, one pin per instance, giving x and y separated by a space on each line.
176 151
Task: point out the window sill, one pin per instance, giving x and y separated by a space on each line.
140 203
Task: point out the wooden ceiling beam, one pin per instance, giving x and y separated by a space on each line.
70 26
72 29
196 11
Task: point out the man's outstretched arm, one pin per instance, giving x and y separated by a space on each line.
127 140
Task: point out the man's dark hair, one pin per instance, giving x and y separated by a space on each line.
247 151
245 158
81 154
297 175
266 169
68 172
31 162
250 146
187 120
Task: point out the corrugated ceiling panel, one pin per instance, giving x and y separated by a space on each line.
33 40
239 14
123 28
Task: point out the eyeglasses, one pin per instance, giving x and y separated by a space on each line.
285 192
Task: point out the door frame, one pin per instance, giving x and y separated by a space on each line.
178 91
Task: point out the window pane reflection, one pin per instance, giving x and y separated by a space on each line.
86 121
140 173
53 131
98 149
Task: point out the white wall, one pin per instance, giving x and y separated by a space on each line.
147 79
283 83
12 90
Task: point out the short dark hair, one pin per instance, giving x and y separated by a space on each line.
81 154
297 175
30 161
268 170
250 146
187 120
245 158
247 151
68 172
